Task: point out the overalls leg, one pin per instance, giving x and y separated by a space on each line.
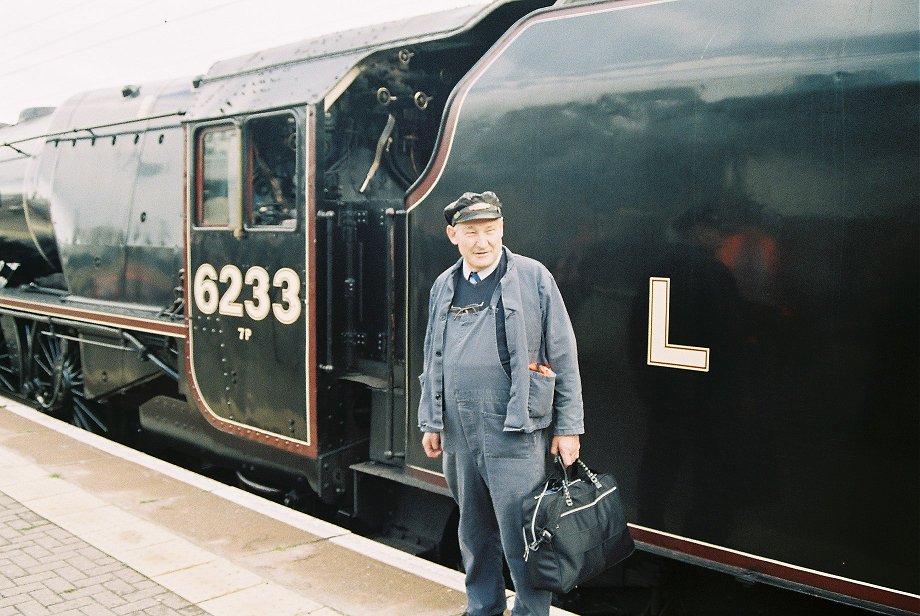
480 542
512 479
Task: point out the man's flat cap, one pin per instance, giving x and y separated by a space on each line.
473 206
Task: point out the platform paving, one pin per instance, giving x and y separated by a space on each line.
88 526
46 570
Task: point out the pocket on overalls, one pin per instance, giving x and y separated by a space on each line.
540 398
501 444
487 410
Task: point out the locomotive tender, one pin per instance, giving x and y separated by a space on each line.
727 194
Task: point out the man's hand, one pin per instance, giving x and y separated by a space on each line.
565 446
431 441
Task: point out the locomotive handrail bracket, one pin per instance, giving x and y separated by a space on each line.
72 132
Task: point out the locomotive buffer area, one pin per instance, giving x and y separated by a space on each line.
88 524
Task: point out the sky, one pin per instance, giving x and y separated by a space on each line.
53 49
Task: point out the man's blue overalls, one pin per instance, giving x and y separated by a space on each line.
489 471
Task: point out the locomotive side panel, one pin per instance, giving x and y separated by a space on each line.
89 207
114 192
763 160
153 250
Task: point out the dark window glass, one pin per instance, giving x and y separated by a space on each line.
272 170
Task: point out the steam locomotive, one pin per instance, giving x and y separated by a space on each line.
726 193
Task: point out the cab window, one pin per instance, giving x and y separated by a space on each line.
218 175
271 171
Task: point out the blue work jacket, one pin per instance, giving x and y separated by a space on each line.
538 330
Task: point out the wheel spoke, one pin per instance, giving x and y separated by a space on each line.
45 344
78 420
82 408
46 368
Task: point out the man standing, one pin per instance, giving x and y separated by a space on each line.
500 372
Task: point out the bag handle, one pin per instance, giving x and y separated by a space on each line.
580 468
590 474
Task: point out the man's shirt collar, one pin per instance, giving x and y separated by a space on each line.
483 273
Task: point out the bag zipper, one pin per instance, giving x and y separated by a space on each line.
533 519
535 544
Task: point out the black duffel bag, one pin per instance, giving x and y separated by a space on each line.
574 528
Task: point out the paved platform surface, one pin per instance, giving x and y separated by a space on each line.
46 570
88 526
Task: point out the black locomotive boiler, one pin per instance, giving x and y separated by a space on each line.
727 193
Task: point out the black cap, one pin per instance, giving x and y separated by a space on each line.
473 206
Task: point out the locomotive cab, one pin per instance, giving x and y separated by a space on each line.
294 250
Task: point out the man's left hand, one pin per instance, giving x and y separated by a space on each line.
567 447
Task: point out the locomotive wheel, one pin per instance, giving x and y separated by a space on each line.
56 381
9 375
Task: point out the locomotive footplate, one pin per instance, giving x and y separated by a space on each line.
85 312
400 475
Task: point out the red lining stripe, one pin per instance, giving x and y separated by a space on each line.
176 330
784 571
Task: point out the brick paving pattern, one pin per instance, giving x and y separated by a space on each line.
46 570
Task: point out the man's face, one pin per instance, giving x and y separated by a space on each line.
479 241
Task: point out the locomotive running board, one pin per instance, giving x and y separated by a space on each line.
399 475
77 311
